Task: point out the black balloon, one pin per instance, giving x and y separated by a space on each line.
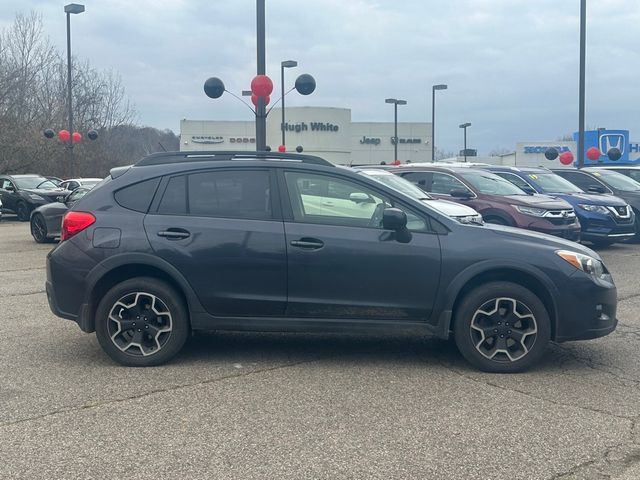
305 84
299 149
92 134
49 133
551 153
267 148
614 154
213 87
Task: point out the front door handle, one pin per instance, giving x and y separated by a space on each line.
174 234
308 243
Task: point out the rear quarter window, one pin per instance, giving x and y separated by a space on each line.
137 196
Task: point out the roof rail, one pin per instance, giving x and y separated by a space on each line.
163 158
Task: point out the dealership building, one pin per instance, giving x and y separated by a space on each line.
324 131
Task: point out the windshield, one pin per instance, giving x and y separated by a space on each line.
34 182
399 184
617 180
490 184
552 183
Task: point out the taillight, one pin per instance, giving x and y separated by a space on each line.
75 222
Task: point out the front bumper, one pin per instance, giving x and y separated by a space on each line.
587 309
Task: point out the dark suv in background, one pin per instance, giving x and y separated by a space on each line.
603 180
284 242
496 199
20 194
604 219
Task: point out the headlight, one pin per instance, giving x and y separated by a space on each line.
587 264
36 197
536 212
471 219
594 208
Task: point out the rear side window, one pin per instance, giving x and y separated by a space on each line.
224 193
174 200
138 196
228 193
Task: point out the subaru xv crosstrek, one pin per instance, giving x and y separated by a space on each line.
497 200
267 241
604 219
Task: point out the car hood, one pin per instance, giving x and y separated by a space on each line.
592 199
450 209
49 193
539 201
540 238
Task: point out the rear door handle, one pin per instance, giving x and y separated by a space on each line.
174 233
308 243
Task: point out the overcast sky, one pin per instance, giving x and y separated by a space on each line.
511 65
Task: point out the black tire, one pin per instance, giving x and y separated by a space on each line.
39 229
497 221
22 210
142 338
530 323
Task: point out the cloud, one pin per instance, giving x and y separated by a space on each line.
511 66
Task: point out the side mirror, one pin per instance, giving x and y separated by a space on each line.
596 189
61 198
460 193
360 197
394 219
10 188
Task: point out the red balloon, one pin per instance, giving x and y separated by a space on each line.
396 162
593 154
64 135
76 137
282 149
254 100
566 158
261 85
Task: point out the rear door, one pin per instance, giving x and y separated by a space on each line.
342 263
223 231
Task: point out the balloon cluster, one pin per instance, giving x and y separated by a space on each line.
65 135
566 158
593 154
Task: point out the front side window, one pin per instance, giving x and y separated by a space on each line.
490 184
443 183
334 201
515 179
617 180
582 180
330 200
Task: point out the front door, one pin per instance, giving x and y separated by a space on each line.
221 230
342 263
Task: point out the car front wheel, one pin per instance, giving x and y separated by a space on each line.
502 327
142 322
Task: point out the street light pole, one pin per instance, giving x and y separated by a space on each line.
69 9
261 116
581 100
433 118
283 65
464 127
395 103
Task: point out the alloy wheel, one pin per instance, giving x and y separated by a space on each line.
140 324
503 329
38 228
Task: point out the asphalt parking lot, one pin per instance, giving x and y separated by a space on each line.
262 406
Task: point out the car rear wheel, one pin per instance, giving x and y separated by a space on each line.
142 322
22 211
502 327
39 229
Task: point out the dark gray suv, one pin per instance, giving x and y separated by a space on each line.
283 242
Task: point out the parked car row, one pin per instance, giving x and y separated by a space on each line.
270 241
23 194
592 204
